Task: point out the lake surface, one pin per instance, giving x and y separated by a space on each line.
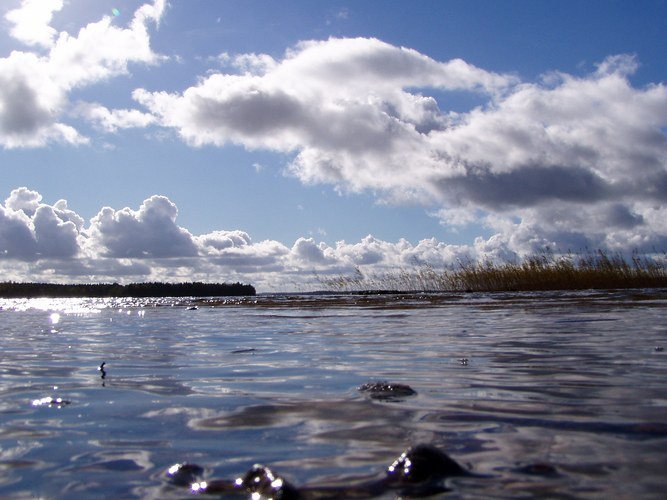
558 395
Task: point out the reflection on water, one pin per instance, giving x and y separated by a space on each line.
546 394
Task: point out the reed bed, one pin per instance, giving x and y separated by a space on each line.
597 270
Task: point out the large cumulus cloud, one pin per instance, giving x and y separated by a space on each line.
578 160
150 231
340 105
30 230
43 242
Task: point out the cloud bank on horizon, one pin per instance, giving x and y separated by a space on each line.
567 162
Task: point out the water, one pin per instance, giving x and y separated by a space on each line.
558 395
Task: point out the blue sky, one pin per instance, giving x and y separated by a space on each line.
267 141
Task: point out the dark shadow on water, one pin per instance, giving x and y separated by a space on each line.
639 431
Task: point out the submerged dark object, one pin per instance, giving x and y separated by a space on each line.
258 482
185 474
261 480
419 471
387 391
422 463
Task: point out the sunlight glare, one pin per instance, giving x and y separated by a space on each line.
198 487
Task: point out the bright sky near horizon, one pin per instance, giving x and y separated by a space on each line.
269 142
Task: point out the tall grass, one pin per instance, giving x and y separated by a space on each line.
596 270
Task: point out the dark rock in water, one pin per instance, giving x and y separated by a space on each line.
216 487
422 463
192 476
420 471
261 480
184 474
386 391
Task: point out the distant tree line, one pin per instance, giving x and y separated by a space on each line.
10 289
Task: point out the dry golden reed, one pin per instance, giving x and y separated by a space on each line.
596 270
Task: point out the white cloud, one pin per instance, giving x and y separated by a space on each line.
23 199
307 251
112 120
56 238
101 50
252 64
35 86
150 232
218 241
340 95
31 21
348 111
17 240
344 108
30 103
46 242
31 230
66 214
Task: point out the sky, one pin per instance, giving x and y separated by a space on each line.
281 143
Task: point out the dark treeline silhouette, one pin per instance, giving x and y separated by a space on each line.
154 289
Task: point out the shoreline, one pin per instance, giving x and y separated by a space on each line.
102 290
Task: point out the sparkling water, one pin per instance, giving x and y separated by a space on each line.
539 394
